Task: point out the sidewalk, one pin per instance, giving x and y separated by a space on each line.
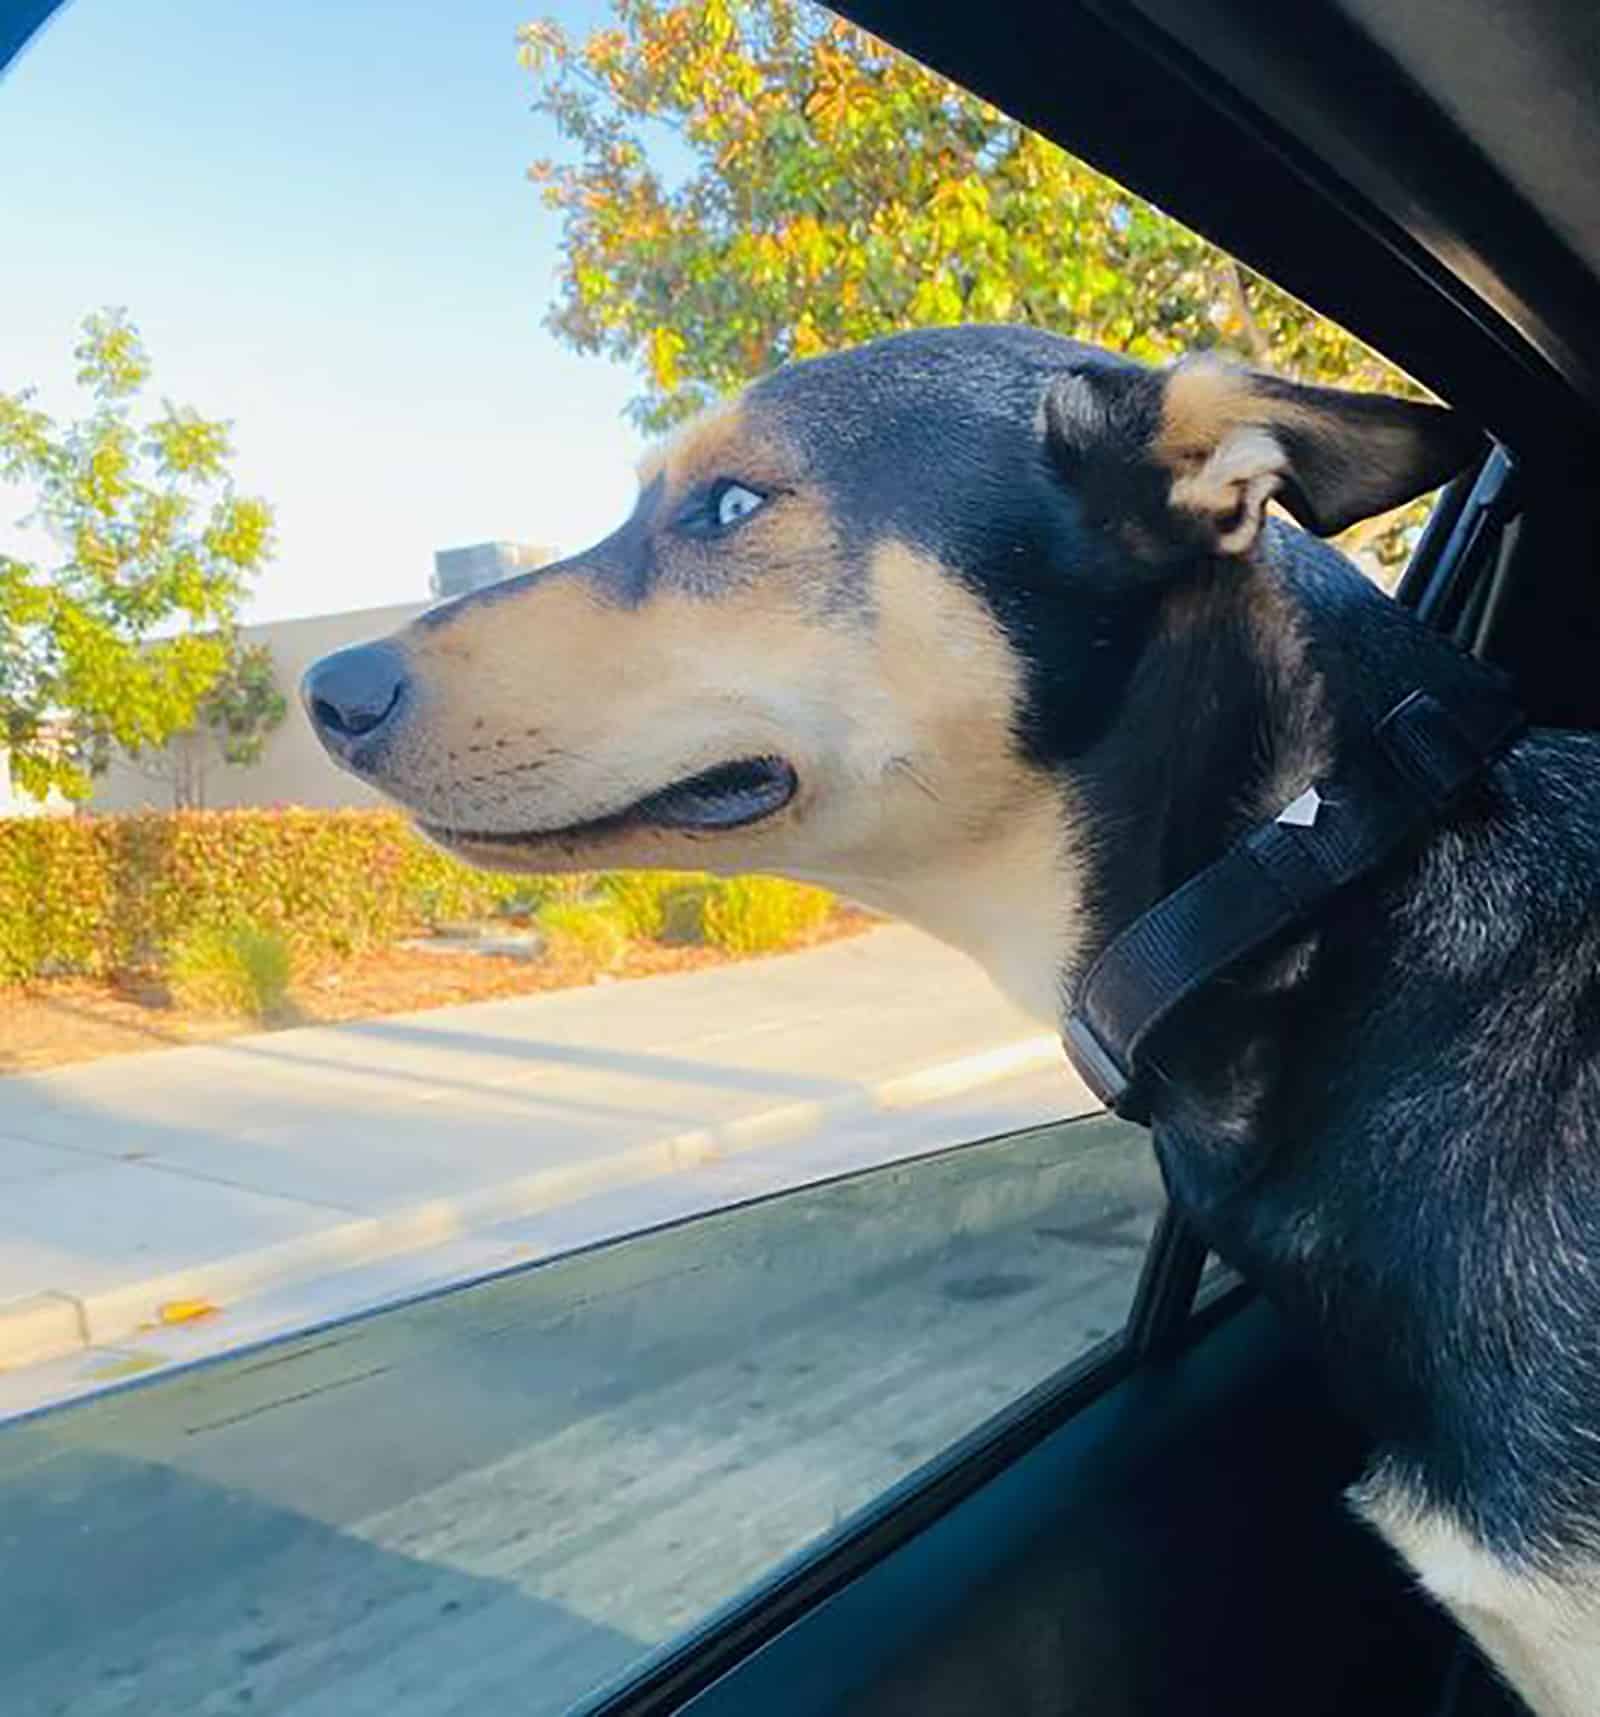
142 1188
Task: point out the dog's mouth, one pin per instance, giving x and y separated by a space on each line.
729 796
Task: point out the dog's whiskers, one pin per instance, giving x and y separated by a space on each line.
453 823
904 766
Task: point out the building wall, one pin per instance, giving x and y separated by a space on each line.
294 769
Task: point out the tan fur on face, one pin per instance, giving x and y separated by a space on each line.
694 442
555 706
795 539
720 442
967 840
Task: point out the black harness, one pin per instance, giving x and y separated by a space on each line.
1416 761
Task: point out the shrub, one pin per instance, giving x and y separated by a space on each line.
237 969
528 894
761 914
640 898
103 895
56 896
592 932
683 912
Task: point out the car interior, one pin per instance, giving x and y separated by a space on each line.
1160 1526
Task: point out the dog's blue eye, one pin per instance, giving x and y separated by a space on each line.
718 508
731 502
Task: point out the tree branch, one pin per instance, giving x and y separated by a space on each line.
1260 347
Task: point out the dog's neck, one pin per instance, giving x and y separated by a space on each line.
1255 681
1010 900
1250 683
1225 717
1221 717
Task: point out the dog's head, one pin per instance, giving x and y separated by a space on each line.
859 621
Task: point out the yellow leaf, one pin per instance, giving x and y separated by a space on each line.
808 343
186 1311
666 347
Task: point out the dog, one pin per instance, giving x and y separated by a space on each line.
1009 637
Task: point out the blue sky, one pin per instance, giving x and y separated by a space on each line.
318 217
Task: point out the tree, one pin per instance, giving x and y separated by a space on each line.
232 722
832 190
244 706
119 635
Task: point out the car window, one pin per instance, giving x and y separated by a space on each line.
508 1495
567 1245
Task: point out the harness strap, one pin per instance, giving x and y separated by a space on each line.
1415 762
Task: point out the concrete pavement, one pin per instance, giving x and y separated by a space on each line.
404 1151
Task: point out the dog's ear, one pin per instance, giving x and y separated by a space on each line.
1188 458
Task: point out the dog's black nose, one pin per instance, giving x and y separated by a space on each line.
352 693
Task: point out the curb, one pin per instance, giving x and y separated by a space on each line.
53 1324
40 1327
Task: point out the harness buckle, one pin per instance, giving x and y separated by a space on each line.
1429 748
1096 1066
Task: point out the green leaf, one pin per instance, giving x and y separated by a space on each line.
833 191
124 635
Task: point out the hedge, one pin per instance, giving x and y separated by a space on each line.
105 895
109 895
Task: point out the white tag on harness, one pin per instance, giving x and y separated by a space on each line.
1301 813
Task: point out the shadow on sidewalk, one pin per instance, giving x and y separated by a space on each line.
672 1069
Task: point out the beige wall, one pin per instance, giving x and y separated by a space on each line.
294 769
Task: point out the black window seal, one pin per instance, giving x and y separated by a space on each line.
1474 538
1168 1287
1436 532
1455 580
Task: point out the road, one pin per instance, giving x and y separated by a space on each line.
493 1501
